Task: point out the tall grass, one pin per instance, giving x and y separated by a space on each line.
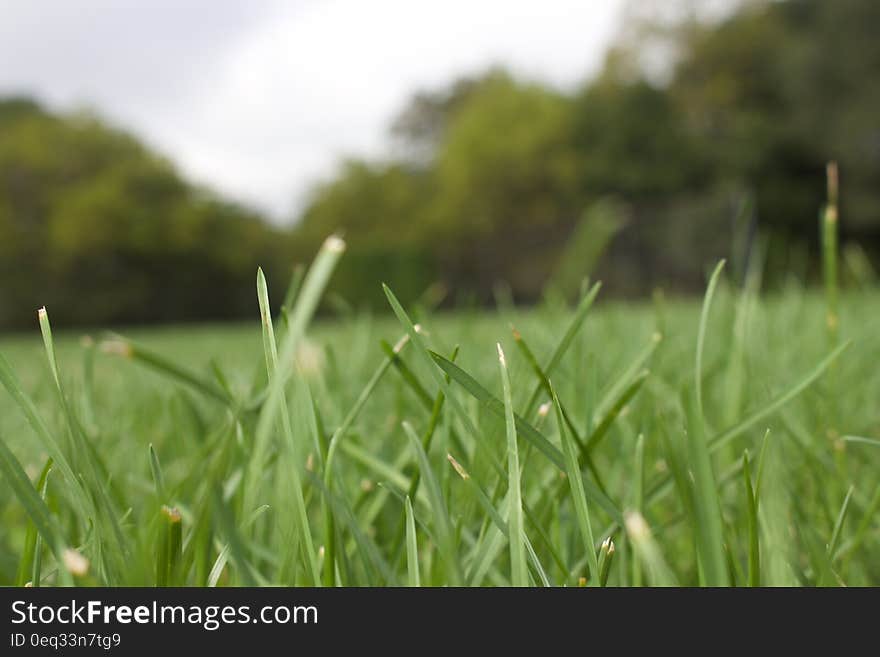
607 446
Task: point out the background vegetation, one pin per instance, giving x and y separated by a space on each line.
640 177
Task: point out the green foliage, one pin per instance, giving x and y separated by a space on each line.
721 154
638 463
495 173
98 228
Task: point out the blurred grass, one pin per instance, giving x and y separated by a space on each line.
124 407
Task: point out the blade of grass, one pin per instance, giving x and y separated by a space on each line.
43 489
545 382
293 288
158 477
418 343
31 502
602 428
112 560
412 548
638 498
329 567
119 346
759 476
81 501
427 438
862 440
407 374
307 303
501 524
444 385
606 554
371 558
519 574
625 381
495 405
223 557
648 551
31 556
300 513
571 331
436 410
526 430
864 526
578 495
709 526
838 525
663 486
442 522
170 546
237 552
724 437
701 338
754 576
312 290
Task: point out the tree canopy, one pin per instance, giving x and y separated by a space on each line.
103 230
493 178
731 142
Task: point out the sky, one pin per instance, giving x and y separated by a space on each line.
260 100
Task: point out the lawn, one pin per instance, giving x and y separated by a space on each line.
710 447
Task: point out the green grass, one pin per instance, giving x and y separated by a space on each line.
623 444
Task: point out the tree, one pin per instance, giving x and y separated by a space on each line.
506 186
101 230
379 208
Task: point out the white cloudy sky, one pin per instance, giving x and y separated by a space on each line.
260 98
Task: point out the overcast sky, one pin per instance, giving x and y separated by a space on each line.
259 99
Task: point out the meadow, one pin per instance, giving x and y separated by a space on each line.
729 440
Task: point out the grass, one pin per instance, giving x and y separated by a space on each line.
728 442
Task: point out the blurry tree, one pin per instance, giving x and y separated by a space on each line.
777 90
419 129
632 141
378 208
506 187
695 112
100 229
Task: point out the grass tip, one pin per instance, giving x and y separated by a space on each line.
117 348
833 182
334 244
458 467
501 358
171 513
398 347
636 526
75 562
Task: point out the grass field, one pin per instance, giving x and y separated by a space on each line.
710 441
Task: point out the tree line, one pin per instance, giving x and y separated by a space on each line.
496 183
